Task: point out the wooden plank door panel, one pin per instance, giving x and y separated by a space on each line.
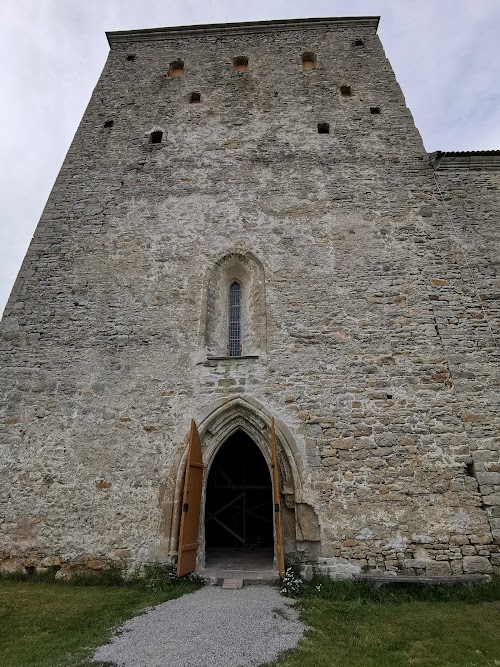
278 515
191 505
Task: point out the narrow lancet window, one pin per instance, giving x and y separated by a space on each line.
235 320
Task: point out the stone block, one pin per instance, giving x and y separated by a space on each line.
345 443
415 563
50 561
421 538
492 499
477 565
307 525
468 550
491 478
436 568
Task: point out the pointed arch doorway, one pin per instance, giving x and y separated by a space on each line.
226 425
239 531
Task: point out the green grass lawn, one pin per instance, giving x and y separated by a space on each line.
356 625
410 634
52 625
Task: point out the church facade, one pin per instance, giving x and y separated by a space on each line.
247 234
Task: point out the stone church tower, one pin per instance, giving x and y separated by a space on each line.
247 231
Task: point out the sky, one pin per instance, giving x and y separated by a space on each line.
444 53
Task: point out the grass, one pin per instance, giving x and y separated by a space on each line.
49 624
353 625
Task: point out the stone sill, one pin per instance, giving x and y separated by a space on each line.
242 356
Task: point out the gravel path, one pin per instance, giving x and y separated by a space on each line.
223 628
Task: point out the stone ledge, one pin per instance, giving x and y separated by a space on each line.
244 357
153 34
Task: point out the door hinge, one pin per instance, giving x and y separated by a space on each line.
276 507
185 507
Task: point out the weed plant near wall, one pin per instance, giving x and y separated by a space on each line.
162 578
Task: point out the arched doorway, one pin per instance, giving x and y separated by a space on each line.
239 507
301 533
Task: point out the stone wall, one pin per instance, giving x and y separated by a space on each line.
103 339
467 309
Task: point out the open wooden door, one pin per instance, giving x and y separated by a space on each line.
278 515
191 503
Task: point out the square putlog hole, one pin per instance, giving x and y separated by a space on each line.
176 69
240 64
156 137
323 128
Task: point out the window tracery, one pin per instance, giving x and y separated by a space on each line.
234 320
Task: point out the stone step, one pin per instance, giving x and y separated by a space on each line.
215 577
232 583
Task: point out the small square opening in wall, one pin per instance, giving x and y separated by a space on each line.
240 64
470 470
195 97
375 110
156 137
345 91
109 123
131 56
176 69
358 42
323 128
308 60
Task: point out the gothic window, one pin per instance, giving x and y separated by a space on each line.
235 320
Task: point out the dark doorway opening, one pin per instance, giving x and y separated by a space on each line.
239 509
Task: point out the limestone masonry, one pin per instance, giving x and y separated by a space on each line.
279 156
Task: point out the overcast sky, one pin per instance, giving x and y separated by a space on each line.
444 53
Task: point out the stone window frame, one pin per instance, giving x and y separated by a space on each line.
248 271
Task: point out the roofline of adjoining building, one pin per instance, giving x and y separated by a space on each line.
440 154
465 160
149 34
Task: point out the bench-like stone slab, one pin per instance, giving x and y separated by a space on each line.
381 579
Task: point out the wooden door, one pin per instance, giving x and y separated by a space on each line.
278 514
191 504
